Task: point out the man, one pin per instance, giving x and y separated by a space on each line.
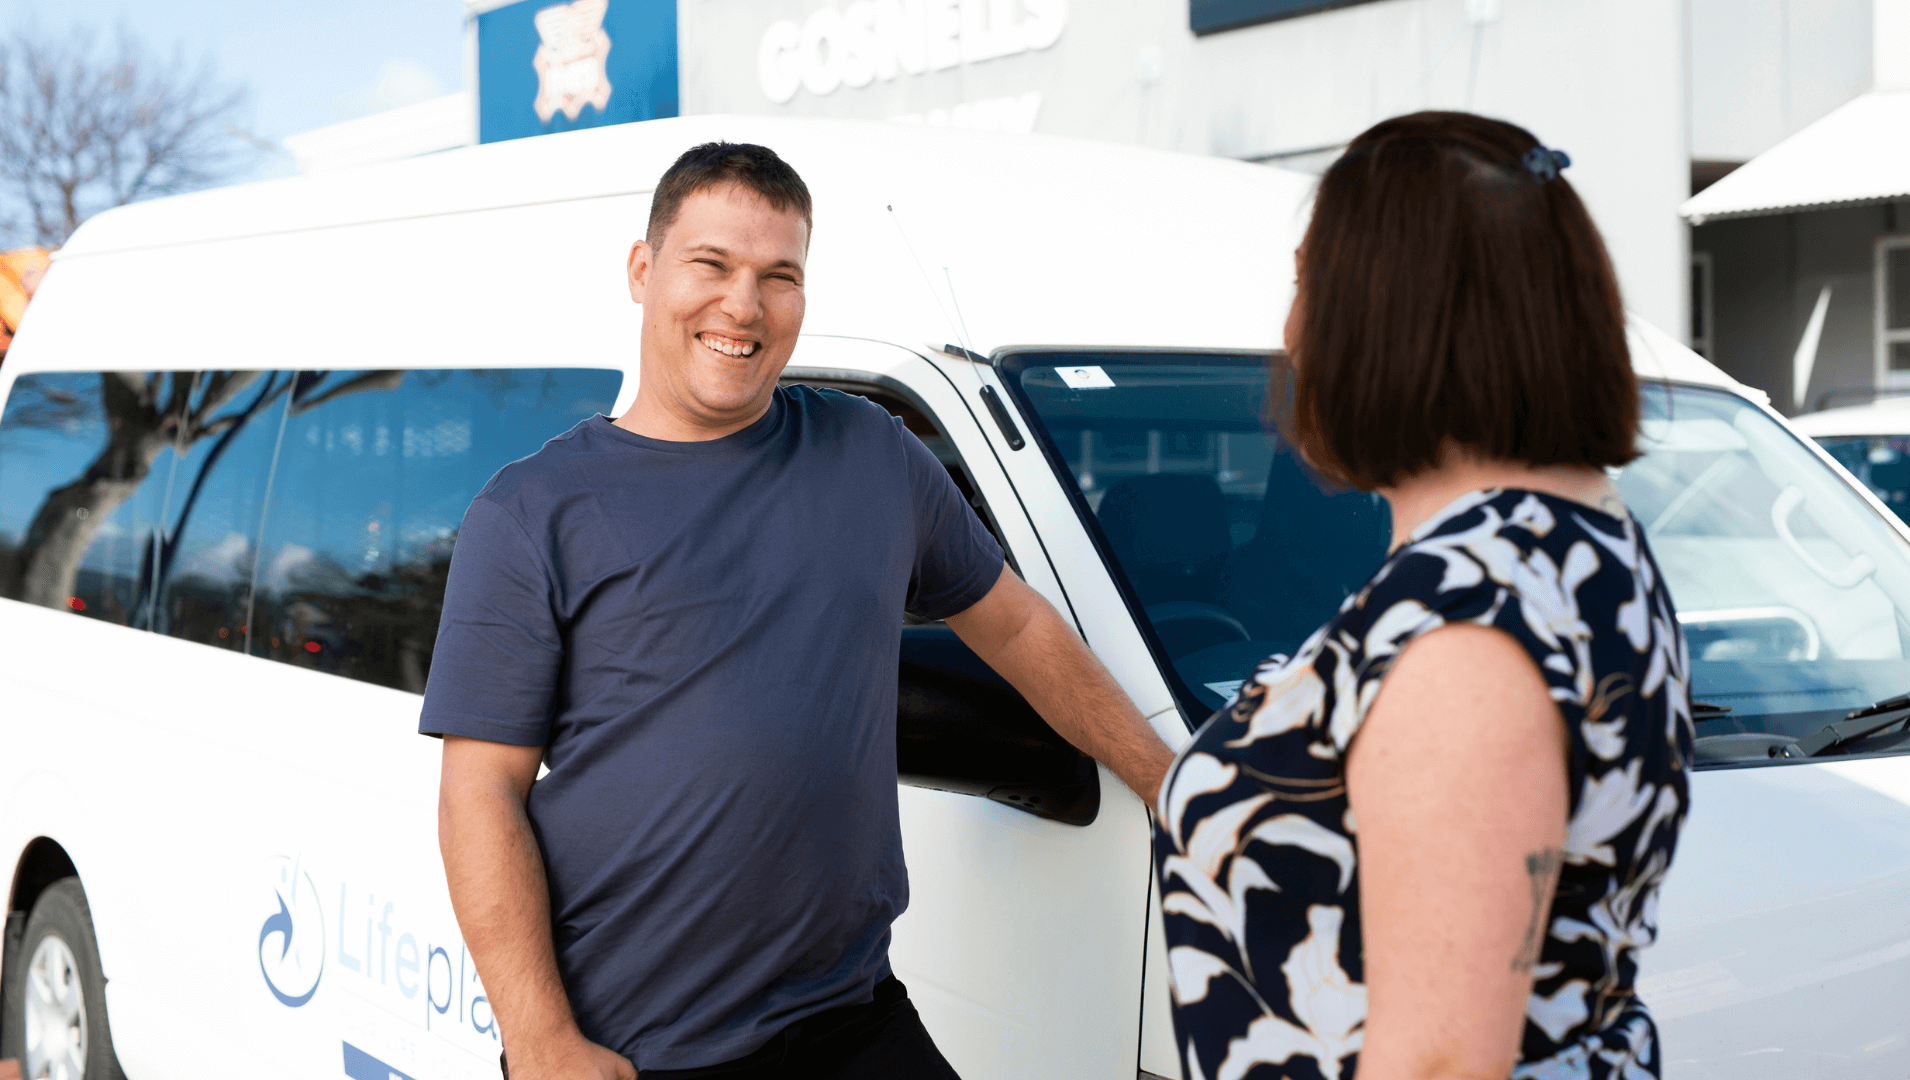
693 615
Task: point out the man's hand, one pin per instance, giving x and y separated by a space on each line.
498 890
575 1058
1022 636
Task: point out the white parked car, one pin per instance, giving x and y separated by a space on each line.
240 429
1872 441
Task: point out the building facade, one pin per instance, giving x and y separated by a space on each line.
1652 98
1801 258
1655 100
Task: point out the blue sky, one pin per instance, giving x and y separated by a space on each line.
308 63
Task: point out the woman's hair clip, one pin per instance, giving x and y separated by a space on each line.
1545 164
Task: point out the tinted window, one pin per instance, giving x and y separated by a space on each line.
1791 590
86 460
375 471
1882 462
207 549
146 498
1229 547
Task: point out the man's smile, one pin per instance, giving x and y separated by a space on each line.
728 346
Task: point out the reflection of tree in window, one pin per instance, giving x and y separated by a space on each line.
141 498
141 415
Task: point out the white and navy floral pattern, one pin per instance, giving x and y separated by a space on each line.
1257 849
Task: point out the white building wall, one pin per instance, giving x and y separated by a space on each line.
1604 80
1890 44
1763 70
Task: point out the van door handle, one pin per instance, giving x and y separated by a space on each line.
999 410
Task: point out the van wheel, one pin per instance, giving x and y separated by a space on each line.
55 996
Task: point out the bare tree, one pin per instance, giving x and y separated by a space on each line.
85 127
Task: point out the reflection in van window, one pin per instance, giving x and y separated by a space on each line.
375 471
147 498
201 586
90 489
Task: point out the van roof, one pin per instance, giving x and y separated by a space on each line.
923 235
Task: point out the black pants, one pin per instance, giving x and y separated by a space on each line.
882 1040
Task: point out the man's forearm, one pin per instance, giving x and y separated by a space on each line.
1019 634
1070 688
498 889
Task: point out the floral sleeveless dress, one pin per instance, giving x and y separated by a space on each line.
1256 849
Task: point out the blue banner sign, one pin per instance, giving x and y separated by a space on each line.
1211 16
545 67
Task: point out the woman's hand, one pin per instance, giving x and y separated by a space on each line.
1457 782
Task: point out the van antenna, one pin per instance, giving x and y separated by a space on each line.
927 281
961 322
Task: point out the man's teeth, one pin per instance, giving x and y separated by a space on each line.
726 346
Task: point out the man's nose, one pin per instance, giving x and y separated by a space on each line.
743 300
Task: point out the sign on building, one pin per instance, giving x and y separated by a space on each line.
545 67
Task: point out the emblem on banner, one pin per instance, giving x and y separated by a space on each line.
570 59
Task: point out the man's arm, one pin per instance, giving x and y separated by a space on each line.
496 874
1022 636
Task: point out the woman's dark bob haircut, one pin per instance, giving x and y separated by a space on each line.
1448 294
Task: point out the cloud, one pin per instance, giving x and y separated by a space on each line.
228 557
398 83
291 559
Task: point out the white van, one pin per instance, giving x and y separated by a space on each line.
240 429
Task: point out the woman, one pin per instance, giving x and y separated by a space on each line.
1430 843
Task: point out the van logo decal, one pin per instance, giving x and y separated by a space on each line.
570 59
293 965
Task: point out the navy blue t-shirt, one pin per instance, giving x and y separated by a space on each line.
705 637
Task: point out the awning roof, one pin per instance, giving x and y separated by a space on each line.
1857 155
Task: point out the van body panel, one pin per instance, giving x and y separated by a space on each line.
1783 949
527 287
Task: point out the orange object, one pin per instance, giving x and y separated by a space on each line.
9 1069
20 274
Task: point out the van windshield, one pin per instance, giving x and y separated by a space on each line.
1791 589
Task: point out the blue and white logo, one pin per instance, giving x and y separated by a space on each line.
292 939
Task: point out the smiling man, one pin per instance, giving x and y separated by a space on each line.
693 616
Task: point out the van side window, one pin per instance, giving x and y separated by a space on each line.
206 554
374 475
162 500
86 471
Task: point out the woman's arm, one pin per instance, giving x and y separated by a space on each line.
1457 781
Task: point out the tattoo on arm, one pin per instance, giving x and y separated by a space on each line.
1542 871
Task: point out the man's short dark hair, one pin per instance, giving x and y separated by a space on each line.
755 167
1453 294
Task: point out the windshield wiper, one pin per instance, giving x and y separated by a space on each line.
1860 724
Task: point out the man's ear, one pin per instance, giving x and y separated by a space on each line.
638 269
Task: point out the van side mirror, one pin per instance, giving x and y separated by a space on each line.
960 727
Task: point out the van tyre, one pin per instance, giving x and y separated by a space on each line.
55 995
